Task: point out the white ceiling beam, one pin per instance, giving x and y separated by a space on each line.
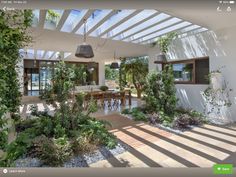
113 12
151 25
120 22
157 31
86 16
166 32
42 17
52 55
134 25
44 54
35 54
63 18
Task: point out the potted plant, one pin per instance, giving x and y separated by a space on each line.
163 43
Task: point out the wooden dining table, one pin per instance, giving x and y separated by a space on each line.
113 94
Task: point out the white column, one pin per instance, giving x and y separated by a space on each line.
152 53
101 73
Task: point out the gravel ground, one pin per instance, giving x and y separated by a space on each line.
78 161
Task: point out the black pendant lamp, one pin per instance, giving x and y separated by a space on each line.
114 65
84 50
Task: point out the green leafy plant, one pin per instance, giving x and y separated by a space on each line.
165 41
52 15
160 92
13 37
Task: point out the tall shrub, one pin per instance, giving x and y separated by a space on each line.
160 91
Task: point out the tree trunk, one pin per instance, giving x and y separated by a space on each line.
139 92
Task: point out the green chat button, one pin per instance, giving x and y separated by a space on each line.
223 169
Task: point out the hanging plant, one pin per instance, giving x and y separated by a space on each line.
165 41
52 16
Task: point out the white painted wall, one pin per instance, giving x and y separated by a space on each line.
220 47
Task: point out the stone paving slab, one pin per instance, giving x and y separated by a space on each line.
153 147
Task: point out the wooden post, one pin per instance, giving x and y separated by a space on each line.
130 98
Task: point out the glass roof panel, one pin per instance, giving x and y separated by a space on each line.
132 21
40 53
56 55
73 19
48 54
35 17
93 20
192 27
116 18
30 53
167 30
52 18
152 21
67 54
154 28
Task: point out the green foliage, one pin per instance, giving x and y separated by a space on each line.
160 92
111 74
95 131
22 125
134 70
165 41
14 36
126 111
17 148
52 15
51 152
59 131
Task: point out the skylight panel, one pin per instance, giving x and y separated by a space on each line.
40 54
67 54
154 29
56 55
167 30
200 30
142 26
190 28
132 21
30 53
93 20
52 19
116 18
48 54
35 17
73 20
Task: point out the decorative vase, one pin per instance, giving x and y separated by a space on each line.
217 80
161 57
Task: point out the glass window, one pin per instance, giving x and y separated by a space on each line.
183 72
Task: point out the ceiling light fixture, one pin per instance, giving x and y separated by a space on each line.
84 50
114 65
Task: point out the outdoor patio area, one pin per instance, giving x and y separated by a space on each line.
117 86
